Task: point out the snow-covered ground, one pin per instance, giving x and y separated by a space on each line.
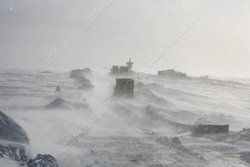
109 131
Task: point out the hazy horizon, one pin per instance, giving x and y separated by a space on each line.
108 32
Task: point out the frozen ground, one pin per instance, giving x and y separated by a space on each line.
88 126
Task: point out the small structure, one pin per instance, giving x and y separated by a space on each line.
123 69
172 72
58 89
208 129
116 70
124 87
129 65
246 130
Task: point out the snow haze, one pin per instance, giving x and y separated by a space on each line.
85 124
103 33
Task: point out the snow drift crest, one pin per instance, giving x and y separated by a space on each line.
11 131
78 76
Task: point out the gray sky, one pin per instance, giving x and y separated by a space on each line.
217 44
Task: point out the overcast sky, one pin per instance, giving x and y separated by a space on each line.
213 36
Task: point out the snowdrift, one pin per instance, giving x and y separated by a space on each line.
88 126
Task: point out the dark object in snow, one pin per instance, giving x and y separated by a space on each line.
246 130
124 87
245 156
45 160
11 152
122 69
92 152
60 103
78 72
11 131
208 129
58 89
78 76
17 153
115 70
176 143
130 64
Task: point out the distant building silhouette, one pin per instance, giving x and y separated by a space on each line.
124 87
116 69
123 69
172 72
129 65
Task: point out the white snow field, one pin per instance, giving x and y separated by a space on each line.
89 126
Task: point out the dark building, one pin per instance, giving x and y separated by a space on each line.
124 87
115 70
207 129
122 69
